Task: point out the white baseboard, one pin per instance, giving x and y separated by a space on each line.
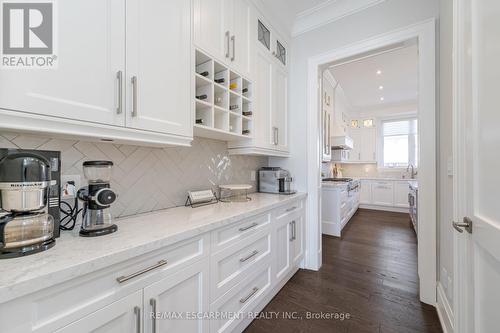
385 208
444 310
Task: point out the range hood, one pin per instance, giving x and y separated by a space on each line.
342 142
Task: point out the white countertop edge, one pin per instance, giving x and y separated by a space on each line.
22 284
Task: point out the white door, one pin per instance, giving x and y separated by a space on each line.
368 145
279 109
122 316
84 86
240 39
159 66
211 29
478 162
382 193
263 91
283 247
401 192
365 194
183 294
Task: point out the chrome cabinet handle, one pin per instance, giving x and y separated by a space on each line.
246 298
152 302
228 44
291 208
134 96
233 40
291 232
294 234
466 224
249 227
253 254
122 279
119 76
275 136
137 312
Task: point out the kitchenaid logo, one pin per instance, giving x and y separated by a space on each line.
28 32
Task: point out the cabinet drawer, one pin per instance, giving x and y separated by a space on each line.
289 209
234 233
229 266
60 305
241 299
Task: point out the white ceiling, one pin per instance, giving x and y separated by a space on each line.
399 79
299 16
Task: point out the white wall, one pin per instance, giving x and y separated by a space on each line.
388 16
445 197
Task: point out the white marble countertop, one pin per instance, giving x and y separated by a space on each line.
339 185
385 178
74 256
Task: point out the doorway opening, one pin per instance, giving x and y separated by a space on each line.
387 131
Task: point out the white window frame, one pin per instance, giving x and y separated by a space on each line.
380 142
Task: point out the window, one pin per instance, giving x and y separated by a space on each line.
400 143
264 35
280 52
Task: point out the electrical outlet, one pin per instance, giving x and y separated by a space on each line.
68 192
252 175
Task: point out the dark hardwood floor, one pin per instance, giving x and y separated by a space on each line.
370 273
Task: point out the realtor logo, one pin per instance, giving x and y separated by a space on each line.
28 34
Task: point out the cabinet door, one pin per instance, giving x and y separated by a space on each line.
159 59
279 109
401 191
183 294
211 27
297 240
263 86
283 248
240 39
84 86
122 316
355 153
368 145
365 194
383 193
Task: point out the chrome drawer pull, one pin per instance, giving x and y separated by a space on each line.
152 302
137 312
291 208
254 253
246 298
122 279
249 227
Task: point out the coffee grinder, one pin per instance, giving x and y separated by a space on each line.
97 198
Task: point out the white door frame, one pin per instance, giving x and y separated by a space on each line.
425 32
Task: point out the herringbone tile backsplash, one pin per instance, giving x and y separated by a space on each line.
146 178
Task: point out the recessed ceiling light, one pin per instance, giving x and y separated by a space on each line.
382 99
379 72
380 87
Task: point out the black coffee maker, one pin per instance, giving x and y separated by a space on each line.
29 201
97 197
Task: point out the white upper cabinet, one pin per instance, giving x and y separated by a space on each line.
84 86
365 145
279 109
211 29
123 74
158 66
263 90
222 29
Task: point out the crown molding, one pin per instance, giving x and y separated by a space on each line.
328 12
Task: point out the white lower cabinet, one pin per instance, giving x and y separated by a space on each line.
383 193
122 316
387 194
208 283
184 293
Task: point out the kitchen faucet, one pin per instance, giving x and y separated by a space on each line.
413 172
